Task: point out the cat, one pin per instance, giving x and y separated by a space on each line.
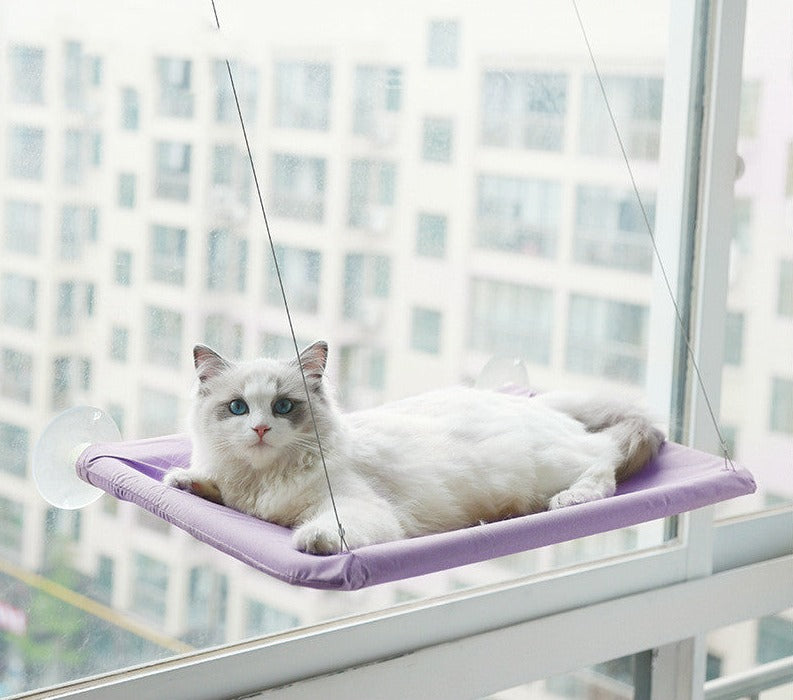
438 461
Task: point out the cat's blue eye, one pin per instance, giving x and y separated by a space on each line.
283 406
238 407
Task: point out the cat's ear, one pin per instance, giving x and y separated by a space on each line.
313 360
208 363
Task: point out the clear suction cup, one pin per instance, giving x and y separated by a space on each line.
57 450
501 371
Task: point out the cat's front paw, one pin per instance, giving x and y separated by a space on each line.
316 539
573 497
202 487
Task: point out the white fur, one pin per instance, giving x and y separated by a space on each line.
435 462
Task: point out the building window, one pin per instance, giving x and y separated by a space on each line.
61 382
610 229
164 337
130 109
261 618
74 157
367 284
774 638
298 187
425 333
14 441
103 581
168 254
122 268
438 137
606 338
224 335
524 110
26 75
511 319
79 225
172 176
227 261
443 39
149 587
231 180
749 109
16 374
637 104
66 311
300 270
126 190
207 603
733 338
518 214
175 96
22 227
372 195
378 97
246 80
11 528
26 152
158 413
784 306
73 76
781 405
302 95
431 235
362 375
119 341
18 295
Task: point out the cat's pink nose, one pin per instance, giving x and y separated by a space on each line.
261 430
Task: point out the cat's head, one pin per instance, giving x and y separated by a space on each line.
256 412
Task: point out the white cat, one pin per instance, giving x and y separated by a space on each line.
438 461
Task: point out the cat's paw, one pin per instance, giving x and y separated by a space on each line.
573 497
316 539
185 480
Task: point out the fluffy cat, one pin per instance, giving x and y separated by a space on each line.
438 461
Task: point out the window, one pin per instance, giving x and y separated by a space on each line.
18 295
784 305
14 441
524 109
150 587
15 375
74 157
130 109
62 383
175 92
119 340
126 190
103 581
637 104
11 528
246 80
122 268
172 176
378 97
610 228
224 336
367 284
518 214
261 618
302 95
227 261
26 74
232 180
298 185
168 254
163 337
207 598
511 319
22 227
438 140
606 338
300 271
79 225
159 413
26 152
733 338
372 195
781 405
67 314
774 638
431 236
443 38
426 330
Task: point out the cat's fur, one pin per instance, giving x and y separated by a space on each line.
435 462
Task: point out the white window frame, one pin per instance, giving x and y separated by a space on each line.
470 643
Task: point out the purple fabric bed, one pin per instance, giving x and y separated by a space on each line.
678 480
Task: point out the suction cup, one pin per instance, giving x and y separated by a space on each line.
501 371
57 450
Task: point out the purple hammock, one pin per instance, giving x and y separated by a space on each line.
679 479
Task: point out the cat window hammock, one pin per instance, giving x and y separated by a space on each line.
79 454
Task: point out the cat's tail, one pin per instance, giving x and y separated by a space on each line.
629 425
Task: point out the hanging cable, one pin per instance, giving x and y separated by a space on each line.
343 542
659 260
